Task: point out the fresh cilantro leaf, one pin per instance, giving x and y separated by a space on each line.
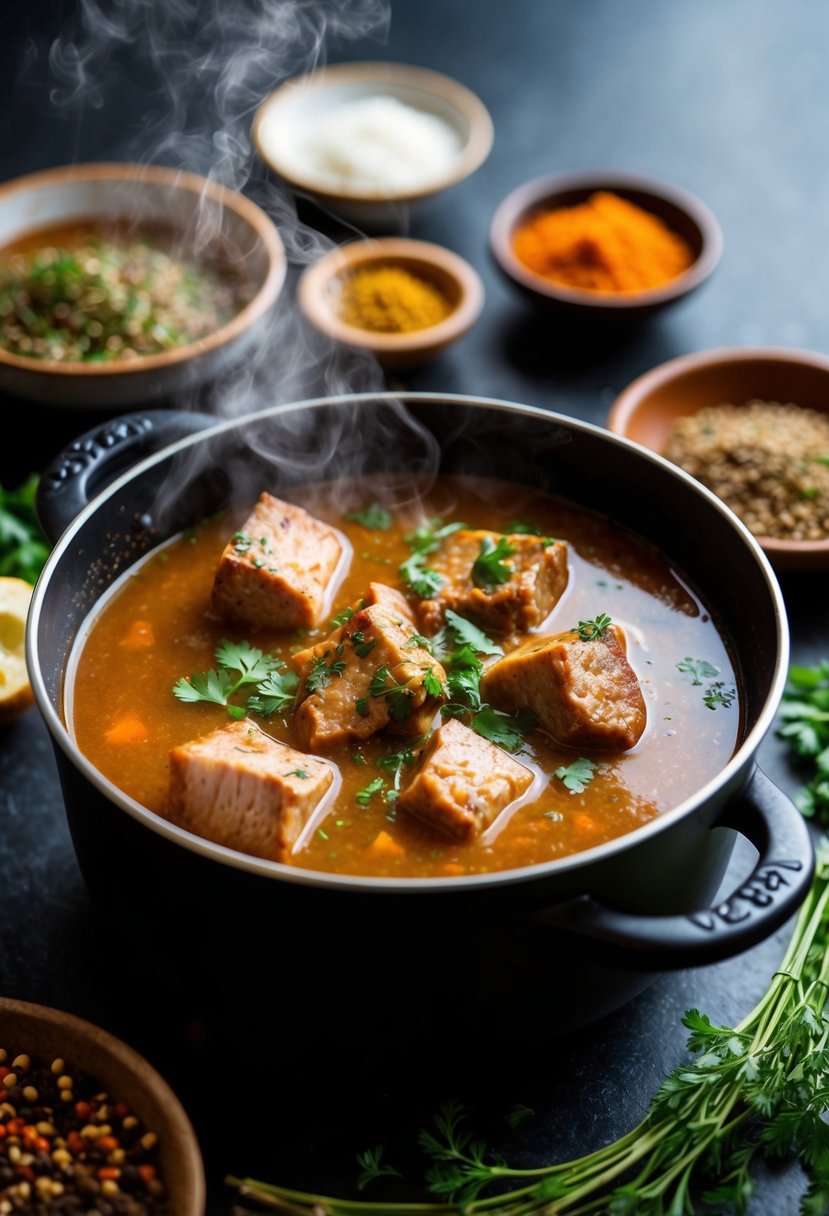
698 669
249 661
374 516
505 730
298 772
379 685
489 568
362 645
578 775
361 706
275 693
428 537
432 684
365 795
23 546
592 631
400 702
396 761
341 618
519 527
321 674
419 578
418 640
519 1114
466 632
718 694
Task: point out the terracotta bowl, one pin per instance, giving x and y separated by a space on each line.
48 1033
204 213
648 407
681 211
319 284
287 114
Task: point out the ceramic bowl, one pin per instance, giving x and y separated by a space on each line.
49 1033
648 407
320 283
681 211
204 213
287 117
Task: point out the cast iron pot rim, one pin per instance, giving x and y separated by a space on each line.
366 884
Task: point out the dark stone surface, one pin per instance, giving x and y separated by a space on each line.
727 99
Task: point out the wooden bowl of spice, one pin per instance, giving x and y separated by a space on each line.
87 1124
608 247
120 283
404 300
753 425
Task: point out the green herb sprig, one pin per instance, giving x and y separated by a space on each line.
593 630
23 546
489 568
804 715
240 665
374 516
578 775
425 539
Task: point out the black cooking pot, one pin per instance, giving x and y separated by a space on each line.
583 933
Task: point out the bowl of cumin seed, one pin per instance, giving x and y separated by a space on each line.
752 424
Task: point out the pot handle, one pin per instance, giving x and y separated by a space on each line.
762 902
100 455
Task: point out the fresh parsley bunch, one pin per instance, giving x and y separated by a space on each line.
23 547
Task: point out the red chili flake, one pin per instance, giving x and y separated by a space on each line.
107 1144
108 1171
83 1110
42 1144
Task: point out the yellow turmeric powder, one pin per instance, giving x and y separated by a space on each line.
390 299
605 244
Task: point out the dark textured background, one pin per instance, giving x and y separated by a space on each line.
725 97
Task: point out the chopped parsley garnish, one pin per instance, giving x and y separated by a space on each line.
395 763
374 516
275 693
238 665
432 684
804 713
362 645
489 568
241 543
23 547
365 795
361 706
298 772
592 631
505 730
519 527
698 669
719 694
399 696
320 673
419 578
578 775
465 631
426 538
417 640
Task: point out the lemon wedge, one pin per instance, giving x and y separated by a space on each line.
15 690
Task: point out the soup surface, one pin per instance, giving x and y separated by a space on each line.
157 626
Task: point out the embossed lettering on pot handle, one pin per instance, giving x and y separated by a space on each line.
762 903
91 462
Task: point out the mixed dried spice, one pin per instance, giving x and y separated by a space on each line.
767 460
103 299
67 1147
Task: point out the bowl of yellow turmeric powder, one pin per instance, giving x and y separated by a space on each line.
404 300
604 246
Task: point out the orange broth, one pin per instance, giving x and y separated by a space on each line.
156 625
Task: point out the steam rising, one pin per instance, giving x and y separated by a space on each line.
211 62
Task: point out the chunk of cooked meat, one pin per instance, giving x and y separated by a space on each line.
276 570
239 787
368 675
538 578
585 694
389 597
464 782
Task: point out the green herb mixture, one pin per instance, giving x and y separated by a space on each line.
108 300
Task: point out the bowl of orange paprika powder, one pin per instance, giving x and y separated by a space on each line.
609 246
